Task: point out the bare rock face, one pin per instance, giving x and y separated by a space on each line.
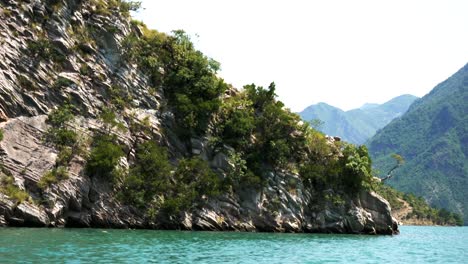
32 215
24 152
380 211
280 208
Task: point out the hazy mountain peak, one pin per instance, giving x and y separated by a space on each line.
368 106
357 125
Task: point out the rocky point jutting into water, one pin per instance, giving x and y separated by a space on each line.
79 83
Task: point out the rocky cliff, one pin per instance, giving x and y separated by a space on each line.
57 52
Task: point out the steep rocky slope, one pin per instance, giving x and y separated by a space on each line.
65 57
357 125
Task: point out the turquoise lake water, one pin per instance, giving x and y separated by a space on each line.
413 245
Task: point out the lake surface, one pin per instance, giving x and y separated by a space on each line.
413 245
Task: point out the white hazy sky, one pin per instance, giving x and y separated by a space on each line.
344 53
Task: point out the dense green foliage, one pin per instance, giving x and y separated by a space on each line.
267 136
433 139
280 137
352 172
151 184
236 121
104 157
264 134
187 76
357 125
195 181
148 177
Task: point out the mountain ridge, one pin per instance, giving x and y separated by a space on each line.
359 124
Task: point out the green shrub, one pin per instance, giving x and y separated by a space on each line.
280 140
357 168
1 135
40 48
193 179
64 156
59 134
120 98
61 116
53 176
84 69
104 157
315 174
109 119
26 84
43 49
196 173
61 82
148 177
8 187
236 121
127 6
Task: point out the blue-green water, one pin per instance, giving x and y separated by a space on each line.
413 245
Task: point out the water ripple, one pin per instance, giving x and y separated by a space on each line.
414 245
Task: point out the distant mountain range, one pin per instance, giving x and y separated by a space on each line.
357 125
432 136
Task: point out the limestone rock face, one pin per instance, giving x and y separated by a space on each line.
32 85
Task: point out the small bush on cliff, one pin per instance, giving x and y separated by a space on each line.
1 135
239 175
127 6
104 157
59 133
194 180
62 137
148 177
53 176
236 121
8 187
43 49
356 168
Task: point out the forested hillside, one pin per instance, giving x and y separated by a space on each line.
433 139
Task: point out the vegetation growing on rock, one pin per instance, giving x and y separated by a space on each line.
171 145
65 140
9 188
